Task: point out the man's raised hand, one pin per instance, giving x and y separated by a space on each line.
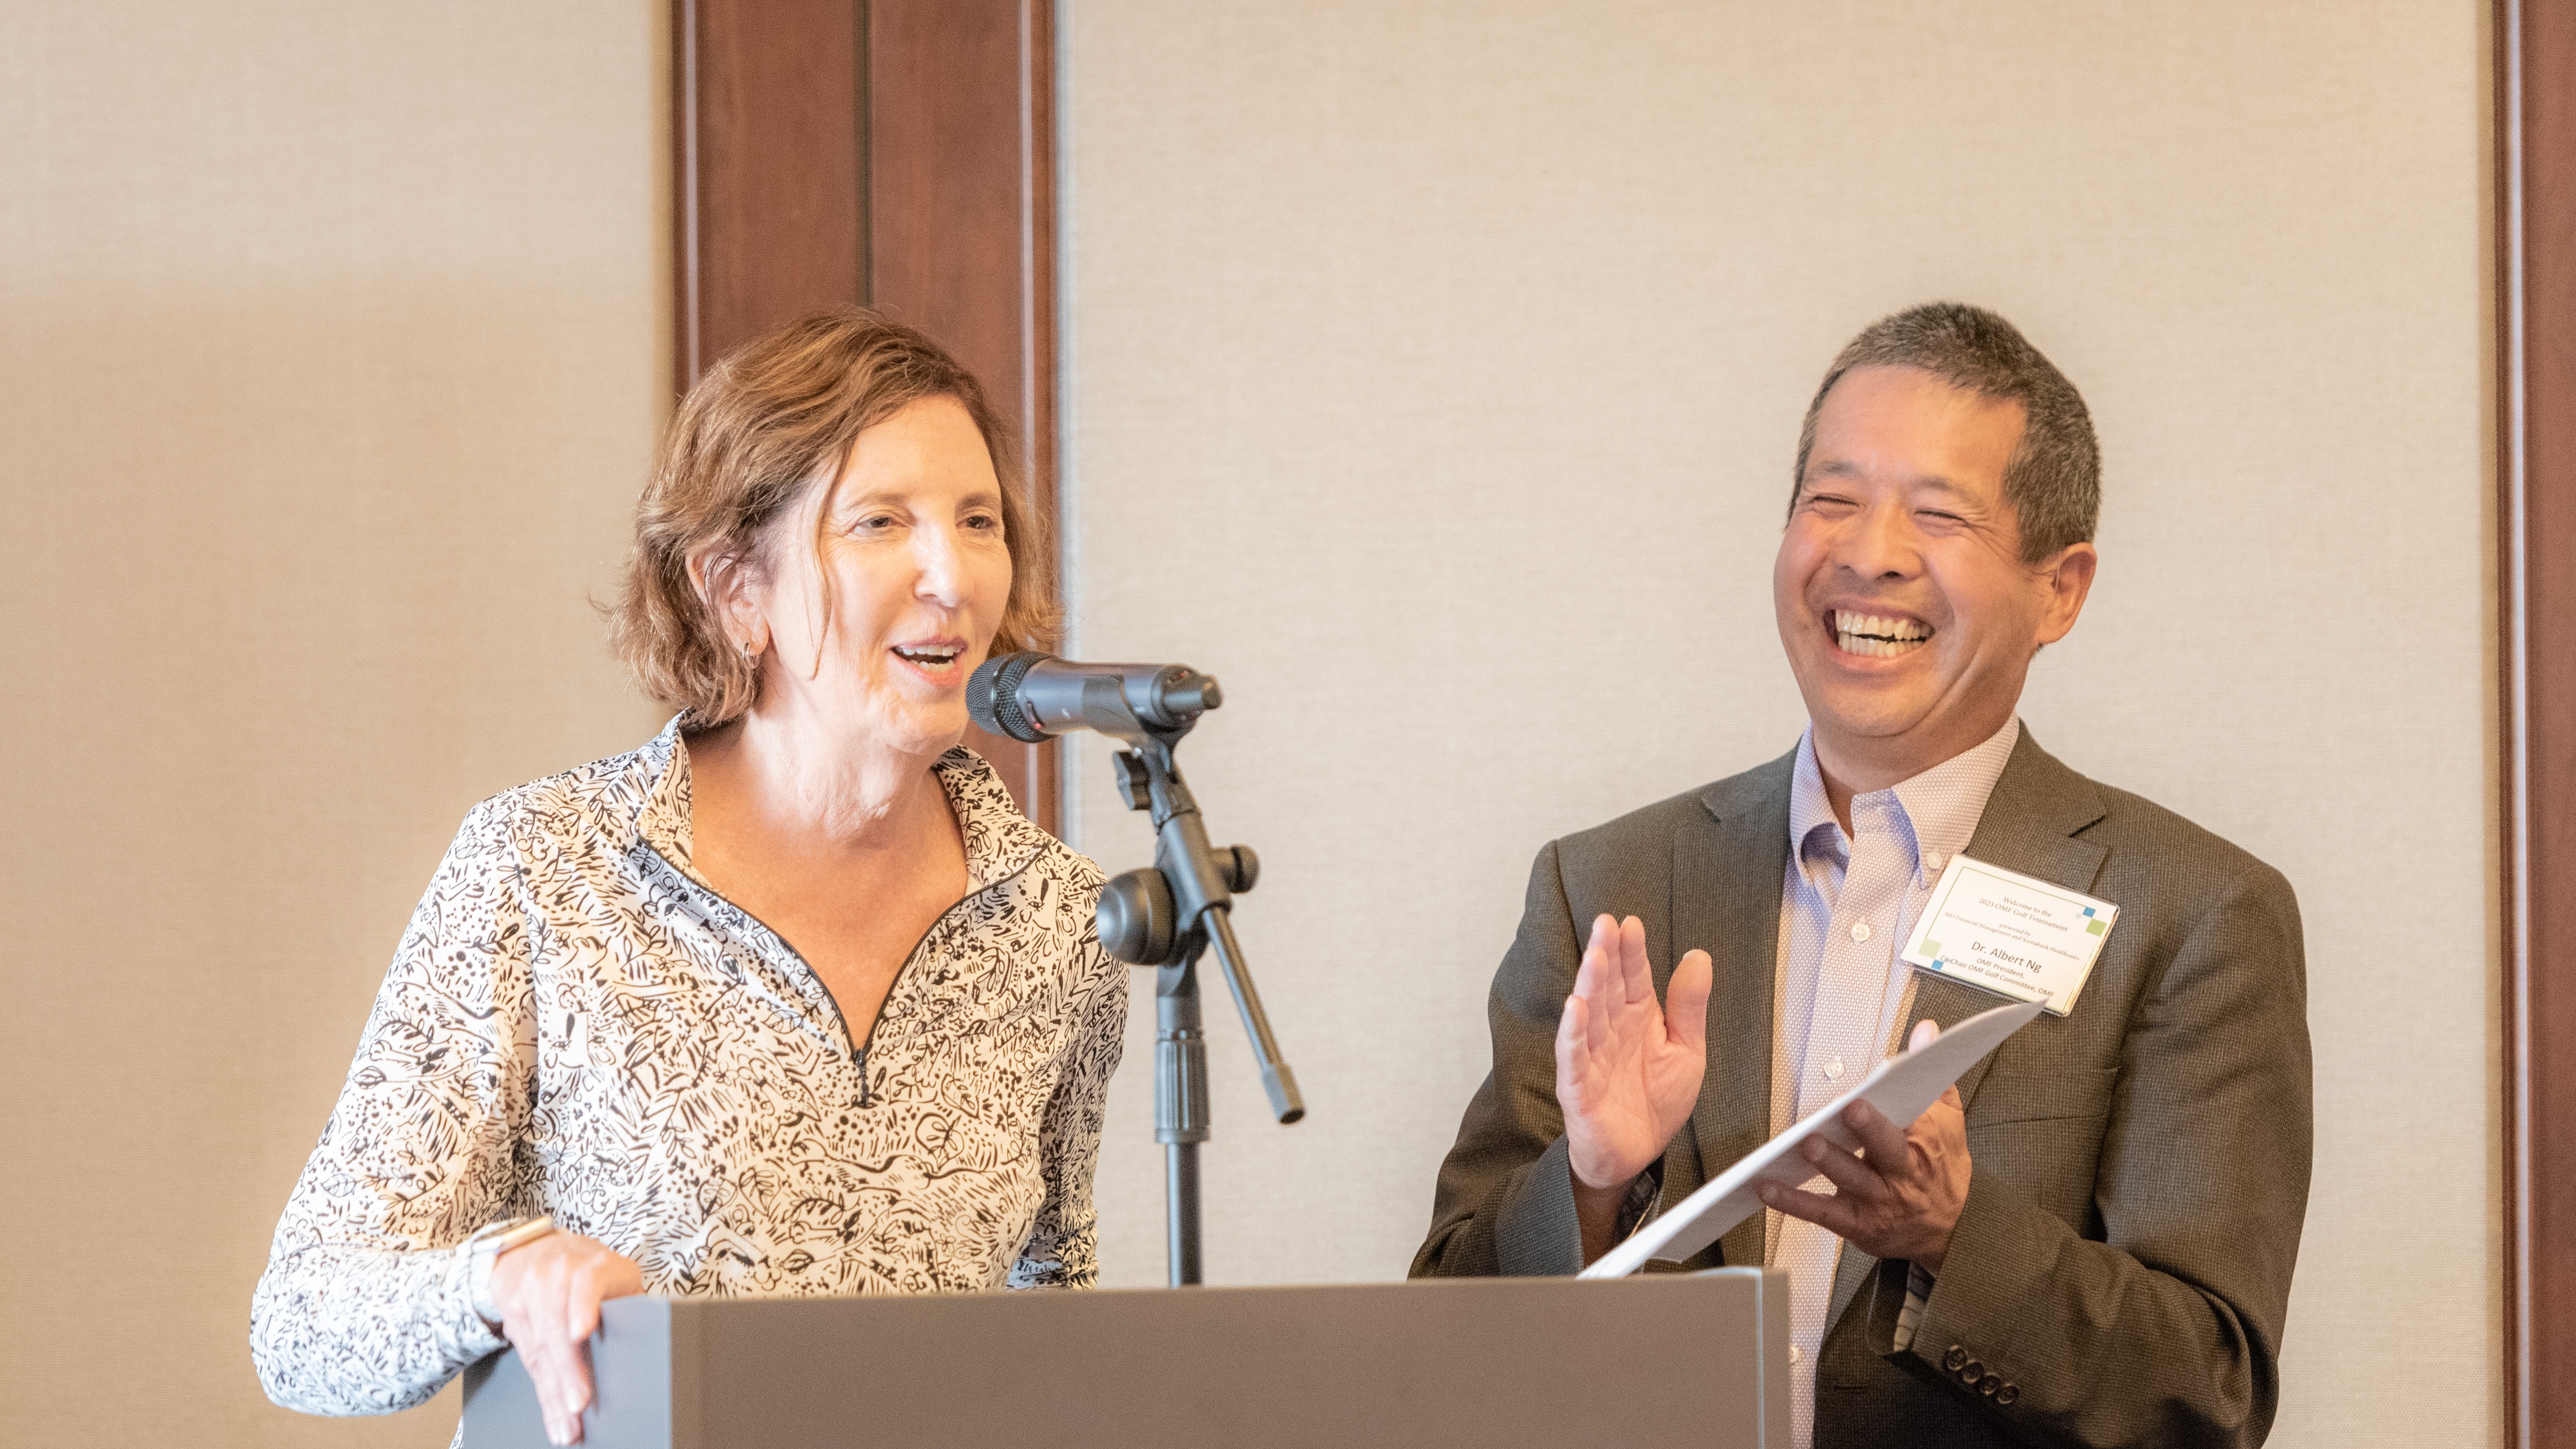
1627 1069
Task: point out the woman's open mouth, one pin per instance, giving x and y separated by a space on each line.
934 659
1876 635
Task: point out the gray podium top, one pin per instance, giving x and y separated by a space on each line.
1699 1359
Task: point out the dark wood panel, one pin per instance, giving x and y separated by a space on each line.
770 151
946 177
899 153
2536 393
961 201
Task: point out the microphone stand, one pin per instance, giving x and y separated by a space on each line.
1166 916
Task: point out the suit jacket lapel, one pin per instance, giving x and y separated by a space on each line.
2038 805
1726 901
2028 827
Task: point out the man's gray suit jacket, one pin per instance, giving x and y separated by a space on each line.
2121 1270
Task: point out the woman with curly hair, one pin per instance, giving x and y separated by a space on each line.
792 1000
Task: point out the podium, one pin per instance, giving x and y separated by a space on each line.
1665 1358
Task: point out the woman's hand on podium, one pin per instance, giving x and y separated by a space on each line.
1627 1069
549 1294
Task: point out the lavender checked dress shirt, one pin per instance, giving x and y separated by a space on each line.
1848 900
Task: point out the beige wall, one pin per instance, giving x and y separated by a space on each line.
1434 371
1432 374
332 347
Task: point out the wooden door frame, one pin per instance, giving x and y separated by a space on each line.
897 153
2534 44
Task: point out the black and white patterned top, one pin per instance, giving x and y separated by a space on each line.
576 1023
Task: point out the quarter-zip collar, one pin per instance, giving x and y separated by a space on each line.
1000 843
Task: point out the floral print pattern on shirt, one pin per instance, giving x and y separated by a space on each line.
577 1024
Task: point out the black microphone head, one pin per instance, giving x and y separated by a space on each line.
993 696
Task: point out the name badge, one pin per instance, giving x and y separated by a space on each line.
2010 934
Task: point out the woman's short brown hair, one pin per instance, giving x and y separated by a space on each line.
771 419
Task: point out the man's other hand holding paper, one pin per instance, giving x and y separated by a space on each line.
1899 1197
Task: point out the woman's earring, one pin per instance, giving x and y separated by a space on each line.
749 653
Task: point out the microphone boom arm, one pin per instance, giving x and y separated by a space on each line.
1203 902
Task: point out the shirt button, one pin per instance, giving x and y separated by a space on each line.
1860 930
1794 1355
1833 1069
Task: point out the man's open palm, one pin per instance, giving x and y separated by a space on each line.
1627 1070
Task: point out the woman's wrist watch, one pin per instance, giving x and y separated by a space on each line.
490 1242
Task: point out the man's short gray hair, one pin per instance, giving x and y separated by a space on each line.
2054 479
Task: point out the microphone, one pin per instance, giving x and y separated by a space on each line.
1030 696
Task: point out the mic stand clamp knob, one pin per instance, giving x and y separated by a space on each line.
1239 866
1135 785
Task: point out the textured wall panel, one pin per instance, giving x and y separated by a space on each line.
332 351
1434 372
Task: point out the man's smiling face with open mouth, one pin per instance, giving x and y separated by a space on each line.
1907 612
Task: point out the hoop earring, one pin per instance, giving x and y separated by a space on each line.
750 654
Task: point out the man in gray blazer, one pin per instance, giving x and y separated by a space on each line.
2089 1240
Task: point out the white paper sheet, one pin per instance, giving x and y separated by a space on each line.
1901 1088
